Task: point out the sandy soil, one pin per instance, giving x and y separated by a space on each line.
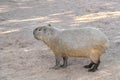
24 58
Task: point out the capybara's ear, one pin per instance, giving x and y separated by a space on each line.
49 25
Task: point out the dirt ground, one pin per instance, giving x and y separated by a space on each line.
24 58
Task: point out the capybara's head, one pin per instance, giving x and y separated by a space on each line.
39 32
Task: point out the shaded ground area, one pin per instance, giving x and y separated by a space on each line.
24 58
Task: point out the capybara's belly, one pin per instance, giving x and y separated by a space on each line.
75 53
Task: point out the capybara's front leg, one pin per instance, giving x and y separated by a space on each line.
64 62
57 64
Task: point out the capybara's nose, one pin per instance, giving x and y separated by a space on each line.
34 31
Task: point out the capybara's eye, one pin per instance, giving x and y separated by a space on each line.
40 29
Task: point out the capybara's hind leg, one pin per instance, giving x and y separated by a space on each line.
95 57
64 62
89 66
95 67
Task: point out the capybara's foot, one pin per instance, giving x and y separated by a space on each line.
89 66
55 67
94 67
86 66
92 70
63 66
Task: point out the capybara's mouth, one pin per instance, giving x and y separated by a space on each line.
36 37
